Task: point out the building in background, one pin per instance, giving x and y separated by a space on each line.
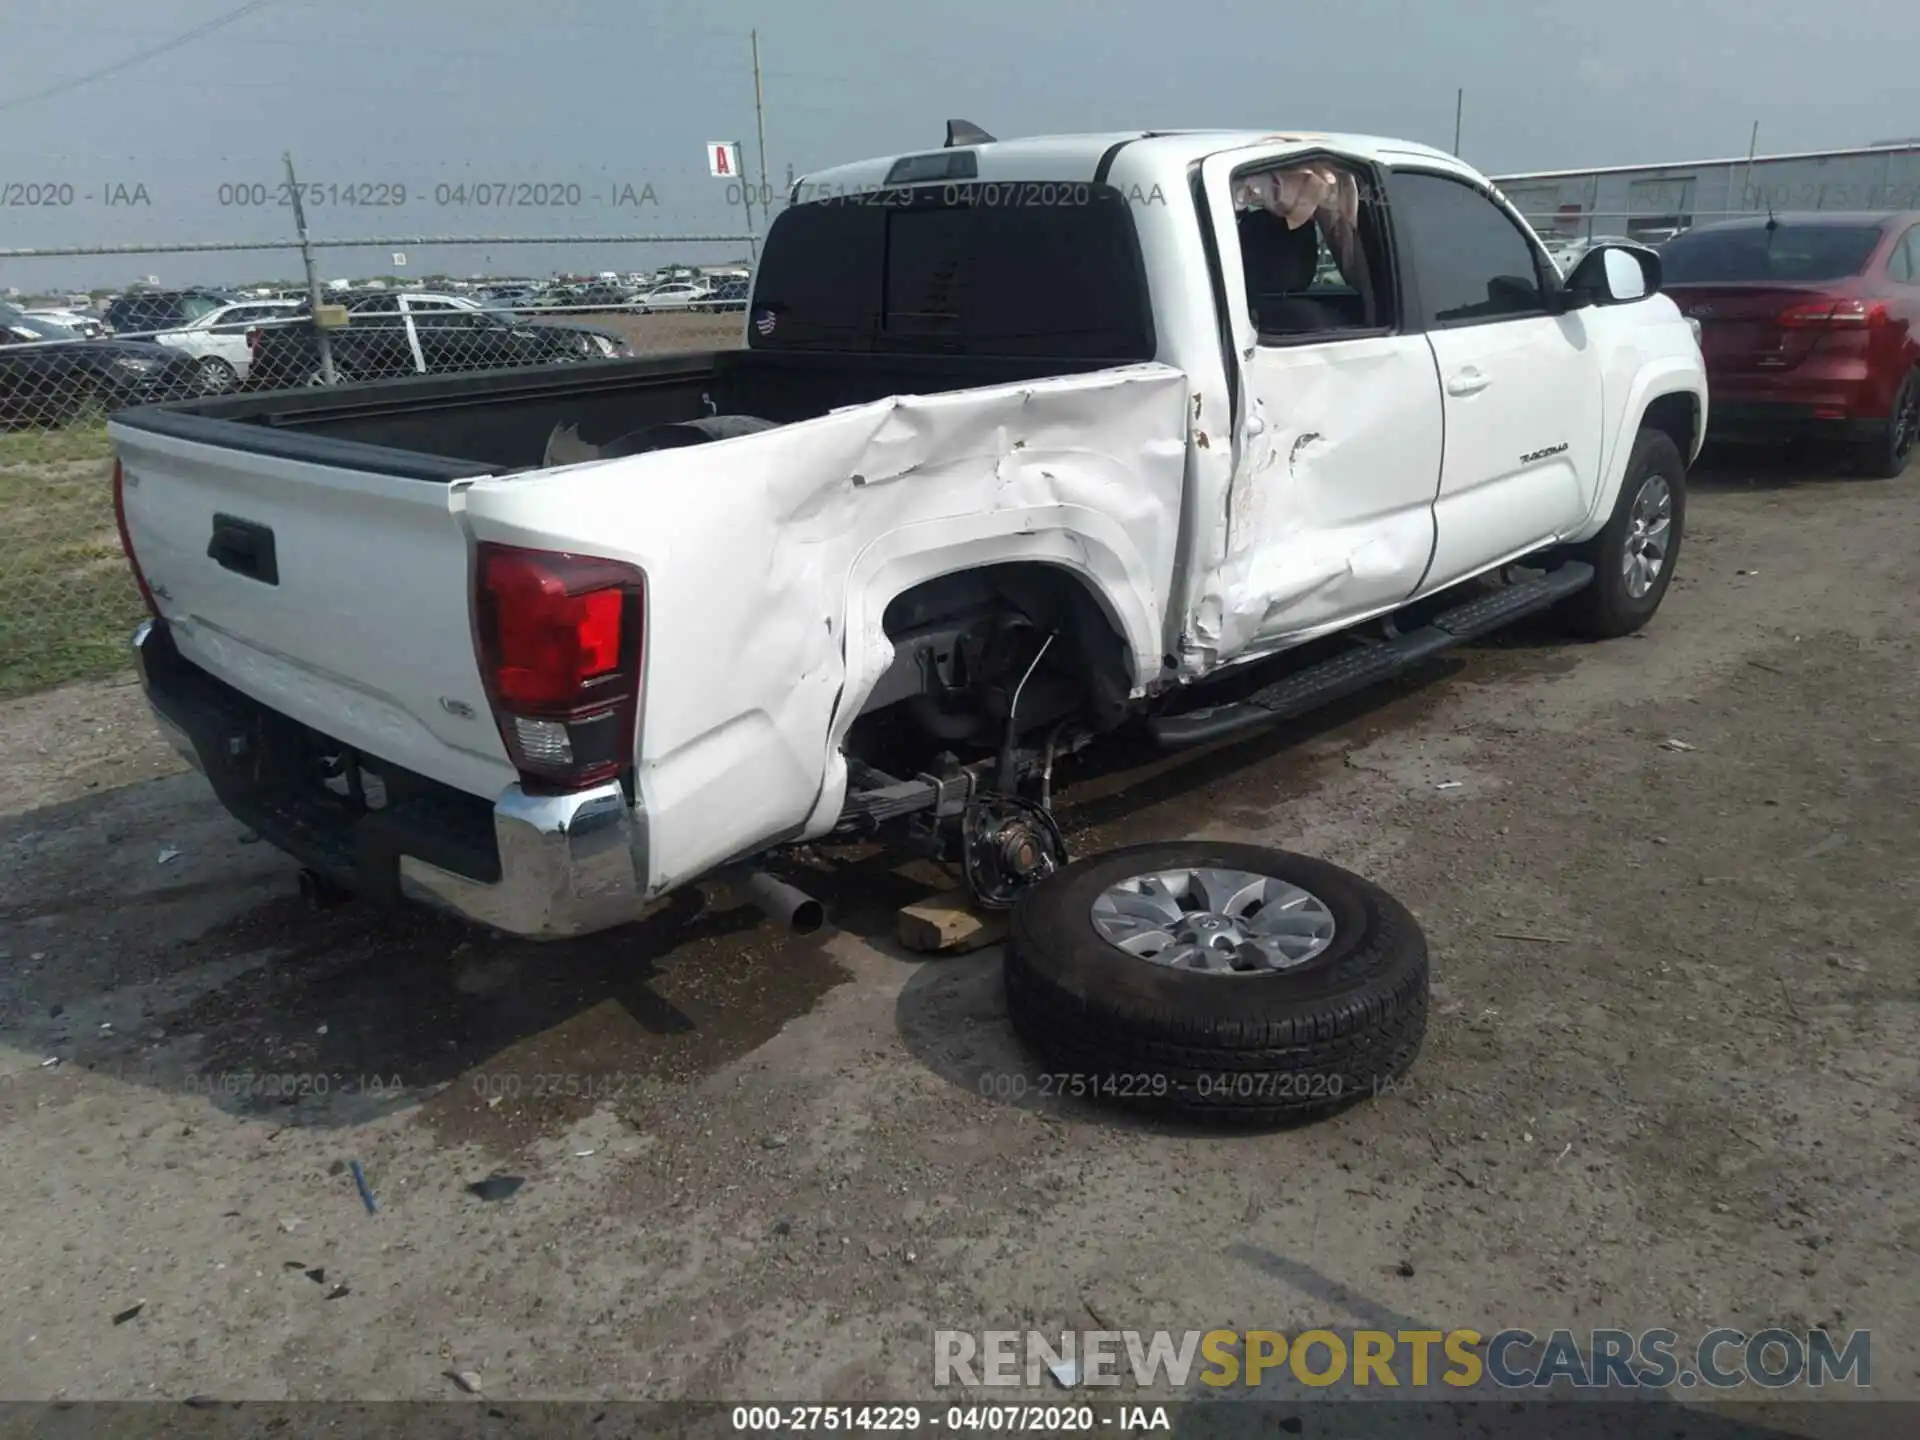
1651 202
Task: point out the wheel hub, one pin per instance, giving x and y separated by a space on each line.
1215 922
1007 845
1649 533
1217 931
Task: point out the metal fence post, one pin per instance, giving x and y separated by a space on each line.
321 339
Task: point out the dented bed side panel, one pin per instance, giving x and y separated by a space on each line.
770 560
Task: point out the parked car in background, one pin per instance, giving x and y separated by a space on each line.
1810 325
597 295
80 323
681 295
145 313
727 295
217 341
506 297
557 296
48 374
393 332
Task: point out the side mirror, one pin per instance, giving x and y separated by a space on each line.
1613 275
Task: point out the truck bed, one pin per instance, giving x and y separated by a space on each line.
445 427
314 552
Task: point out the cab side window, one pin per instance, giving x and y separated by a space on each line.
1903 264
1472 262
1313 252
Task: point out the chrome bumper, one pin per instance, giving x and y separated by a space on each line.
569 864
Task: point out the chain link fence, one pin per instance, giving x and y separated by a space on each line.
69 361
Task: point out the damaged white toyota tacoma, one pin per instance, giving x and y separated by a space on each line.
1027 441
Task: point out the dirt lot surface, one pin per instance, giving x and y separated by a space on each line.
1669 884
686 330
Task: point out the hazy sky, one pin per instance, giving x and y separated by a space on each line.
613 96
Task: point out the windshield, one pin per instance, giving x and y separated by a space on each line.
195 307
1784 253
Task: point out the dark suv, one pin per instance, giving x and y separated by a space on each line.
146 312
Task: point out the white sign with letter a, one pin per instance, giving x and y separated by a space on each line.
723 159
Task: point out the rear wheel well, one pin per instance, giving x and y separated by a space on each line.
964 643
1677 416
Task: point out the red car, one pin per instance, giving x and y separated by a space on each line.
1810 324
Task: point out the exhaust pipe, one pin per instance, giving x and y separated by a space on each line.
792 909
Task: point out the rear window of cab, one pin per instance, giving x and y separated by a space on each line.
972 268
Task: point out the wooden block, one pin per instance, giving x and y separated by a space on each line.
946 924
930 873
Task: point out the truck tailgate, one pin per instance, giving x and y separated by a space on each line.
333 595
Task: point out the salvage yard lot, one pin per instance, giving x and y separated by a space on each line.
1669 883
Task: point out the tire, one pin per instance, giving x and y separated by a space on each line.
1258 1047
1609 608
214 376
1886 457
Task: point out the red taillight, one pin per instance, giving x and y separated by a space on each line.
1833 311
126 540
560 639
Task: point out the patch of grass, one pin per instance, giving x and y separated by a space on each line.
67 598
85 441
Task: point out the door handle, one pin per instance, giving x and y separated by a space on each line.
1467 382
244 548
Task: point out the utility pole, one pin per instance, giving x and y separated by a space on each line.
760 133
746 196
323 340
1746 184
1459 104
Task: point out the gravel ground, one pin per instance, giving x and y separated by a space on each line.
1671 1078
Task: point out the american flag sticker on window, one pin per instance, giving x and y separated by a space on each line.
764 322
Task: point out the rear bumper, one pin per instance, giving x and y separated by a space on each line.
1786 420
541 866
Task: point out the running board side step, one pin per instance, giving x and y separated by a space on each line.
1358 668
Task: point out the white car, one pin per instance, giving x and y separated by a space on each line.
218 340
88 327
680 295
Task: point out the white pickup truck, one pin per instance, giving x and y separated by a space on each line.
1028 440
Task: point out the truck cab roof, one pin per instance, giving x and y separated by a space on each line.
1129 156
